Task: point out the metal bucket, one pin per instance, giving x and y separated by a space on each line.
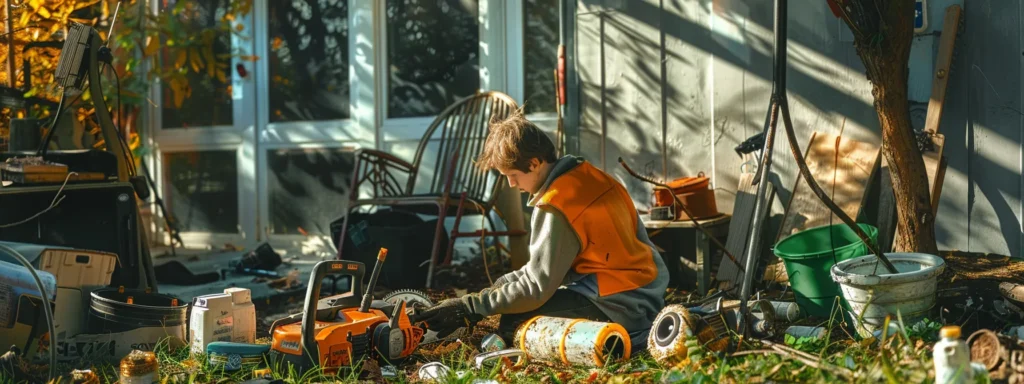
116 310
872 293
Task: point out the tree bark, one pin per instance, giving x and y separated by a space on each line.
883 31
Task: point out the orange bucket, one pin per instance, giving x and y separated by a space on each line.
695 194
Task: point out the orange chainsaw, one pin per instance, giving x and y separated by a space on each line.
339 331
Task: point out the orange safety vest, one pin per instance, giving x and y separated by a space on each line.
603 217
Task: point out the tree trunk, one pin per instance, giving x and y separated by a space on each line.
884 31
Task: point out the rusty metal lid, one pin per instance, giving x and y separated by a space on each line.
1013 292
986 349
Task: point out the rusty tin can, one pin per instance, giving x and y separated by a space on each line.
492 342
140 367
84 376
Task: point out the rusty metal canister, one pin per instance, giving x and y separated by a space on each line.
84 376
491 343
672 338
573 341
140 367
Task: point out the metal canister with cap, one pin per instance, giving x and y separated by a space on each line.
139 367
492 342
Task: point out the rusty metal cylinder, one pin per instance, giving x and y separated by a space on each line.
573 341
140 367
672 339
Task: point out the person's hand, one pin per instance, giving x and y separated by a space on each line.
448 316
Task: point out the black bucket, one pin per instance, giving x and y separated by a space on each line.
109 310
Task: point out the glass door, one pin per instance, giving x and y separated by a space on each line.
308 132
203 122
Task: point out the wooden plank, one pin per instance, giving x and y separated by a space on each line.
707 223
844 175
937 187
932 163
729 274
942 62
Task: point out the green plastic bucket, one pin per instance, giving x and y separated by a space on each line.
808 257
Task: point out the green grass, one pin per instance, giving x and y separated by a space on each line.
901 358
904 357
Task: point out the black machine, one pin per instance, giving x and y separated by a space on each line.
99 213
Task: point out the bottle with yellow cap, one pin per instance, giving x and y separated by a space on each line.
952 358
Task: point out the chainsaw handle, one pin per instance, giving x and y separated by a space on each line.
321 270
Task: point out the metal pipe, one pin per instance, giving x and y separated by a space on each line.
757 223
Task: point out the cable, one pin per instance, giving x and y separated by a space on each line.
22 29
129 158
53 204
46 307
46 141
53 127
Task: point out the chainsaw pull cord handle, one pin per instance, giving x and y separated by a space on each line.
368 296
307 342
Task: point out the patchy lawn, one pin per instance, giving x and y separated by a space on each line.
901 358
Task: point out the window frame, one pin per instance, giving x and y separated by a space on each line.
368 126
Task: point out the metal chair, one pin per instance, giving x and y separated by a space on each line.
452 185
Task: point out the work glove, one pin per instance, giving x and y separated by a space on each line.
447 317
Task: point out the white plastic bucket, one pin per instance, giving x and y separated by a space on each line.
873 293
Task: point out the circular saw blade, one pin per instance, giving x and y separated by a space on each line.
419 300
412 298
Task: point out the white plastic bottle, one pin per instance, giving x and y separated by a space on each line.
952 358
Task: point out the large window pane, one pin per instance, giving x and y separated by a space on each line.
199 49
202 190
540 54
433 54
308 189
308 60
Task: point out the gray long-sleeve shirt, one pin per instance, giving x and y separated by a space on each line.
553 248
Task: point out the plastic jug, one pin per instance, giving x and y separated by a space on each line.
229 316
952 358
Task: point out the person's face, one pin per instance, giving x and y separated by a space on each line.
525 182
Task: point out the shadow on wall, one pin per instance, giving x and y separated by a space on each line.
621 86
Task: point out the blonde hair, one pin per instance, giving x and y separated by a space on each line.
512 142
